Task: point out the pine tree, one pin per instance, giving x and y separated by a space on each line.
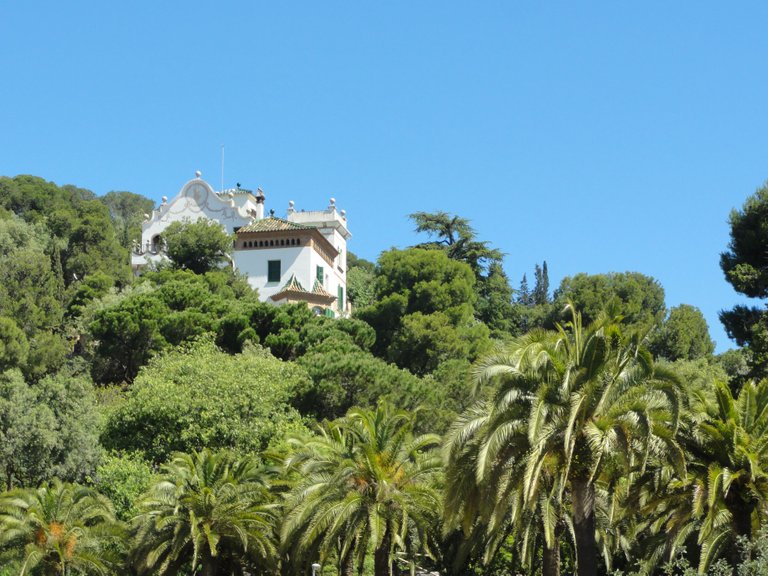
524 294
541 288
58 271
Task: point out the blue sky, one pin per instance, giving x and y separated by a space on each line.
598 136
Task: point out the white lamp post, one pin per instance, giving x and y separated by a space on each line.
315 568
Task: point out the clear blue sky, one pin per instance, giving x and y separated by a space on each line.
600 136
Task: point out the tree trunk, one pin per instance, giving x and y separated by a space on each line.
551 560
584 526
741 512
347 562
209 568
381 561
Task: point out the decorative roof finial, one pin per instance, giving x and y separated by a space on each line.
198 173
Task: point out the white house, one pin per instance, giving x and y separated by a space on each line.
299 258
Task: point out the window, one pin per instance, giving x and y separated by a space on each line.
320 274
273 271
340 300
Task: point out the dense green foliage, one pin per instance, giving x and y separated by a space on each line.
424 310
200 246
640 297
127 210
684 335
744 265
585 430
47 429
198 396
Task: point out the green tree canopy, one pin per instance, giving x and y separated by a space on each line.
745 265
495 307
456 237
127 211
416 288
640 297
123 477
684 335
198 396
14 347
47 429
199 246
76 219
168 308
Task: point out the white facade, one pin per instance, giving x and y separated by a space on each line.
311 247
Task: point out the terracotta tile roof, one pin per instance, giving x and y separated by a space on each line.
273 224
319 290
292 285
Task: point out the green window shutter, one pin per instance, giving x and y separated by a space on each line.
329 313
320 274
273 271
341 299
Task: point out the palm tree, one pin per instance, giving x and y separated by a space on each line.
594 404
723 497
59 529
212 511
485 454
364 482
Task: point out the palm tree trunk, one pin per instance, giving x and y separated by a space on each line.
741 512
551 560
584 526
381 561
347 562
209 568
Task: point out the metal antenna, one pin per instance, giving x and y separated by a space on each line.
222 167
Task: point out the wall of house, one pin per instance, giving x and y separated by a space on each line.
293 260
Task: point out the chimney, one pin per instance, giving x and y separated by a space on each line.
259 204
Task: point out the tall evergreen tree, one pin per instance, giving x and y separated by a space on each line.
524 296
745 265
541 288
494 306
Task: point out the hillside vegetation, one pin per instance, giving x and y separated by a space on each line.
174 424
